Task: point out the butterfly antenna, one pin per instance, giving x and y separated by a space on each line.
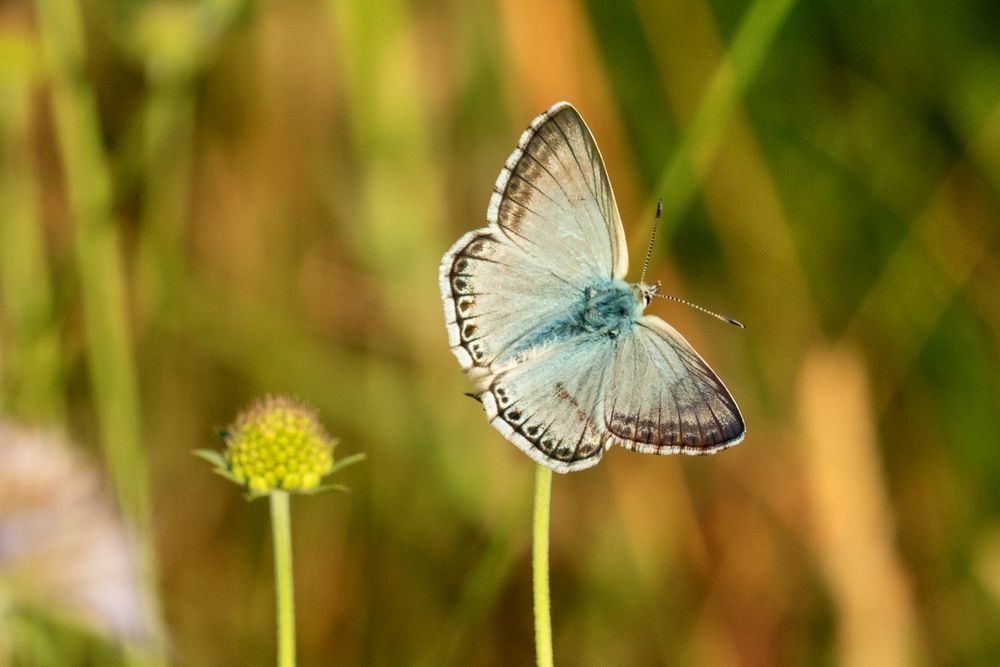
652 238
729 320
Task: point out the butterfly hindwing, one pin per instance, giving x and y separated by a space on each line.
550 405
663 398
646 390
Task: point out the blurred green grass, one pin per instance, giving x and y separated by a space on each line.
282 180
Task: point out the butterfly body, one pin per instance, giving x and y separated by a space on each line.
564 359
611 309
605 309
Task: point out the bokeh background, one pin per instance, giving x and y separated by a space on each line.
203 202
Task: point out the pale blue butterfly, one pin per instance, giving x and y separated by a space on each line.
563 358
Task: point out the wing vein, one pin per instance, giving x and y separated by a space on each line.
595 252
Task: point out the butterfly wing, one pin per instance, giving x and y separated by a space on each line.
661 397
553 229
647 390
551 405
553 198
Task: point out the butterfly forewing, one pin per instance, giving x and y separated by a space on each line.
494 297
554 193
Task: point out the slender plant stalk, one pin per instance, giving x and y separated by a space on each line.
102 285
32 380
102 274
540 566
173 61
284 593
168 123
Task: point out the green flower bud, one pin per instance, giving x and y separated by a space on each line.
271 433
275 444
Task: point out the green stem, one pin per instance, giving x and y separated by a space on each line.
281 529
30 386
540 566
103 281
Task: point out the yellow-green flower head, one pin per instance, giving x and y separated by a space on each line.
278 444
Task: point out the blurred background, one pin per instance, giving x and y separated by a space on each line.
203 202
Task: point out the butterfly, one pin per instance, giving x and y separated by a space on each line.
563 358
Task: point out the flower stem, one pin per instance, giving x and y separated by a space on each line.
540 566
284 594
103 285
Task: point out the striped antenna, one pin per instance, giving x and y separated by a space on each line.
649 251
729 320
